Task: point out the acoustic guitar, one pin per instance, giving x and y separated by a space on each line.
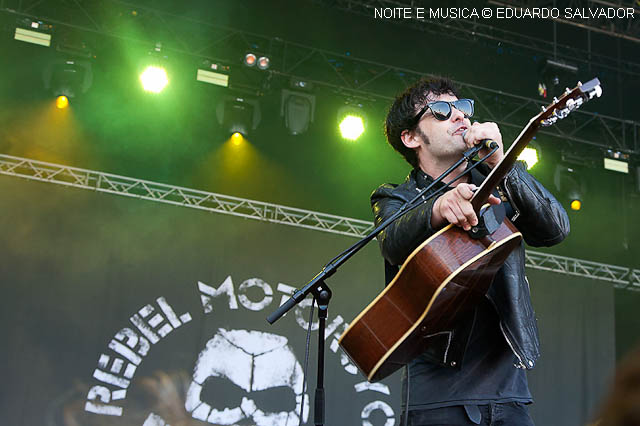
445 277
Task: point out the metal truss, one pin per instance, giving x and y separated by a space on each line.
180 196
484 29
621 277
153 191
349 76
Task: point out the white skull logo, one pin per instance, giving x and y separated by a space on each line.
254 361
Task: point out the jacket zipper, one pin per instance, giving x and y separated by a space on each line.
522 365
510 198
504 333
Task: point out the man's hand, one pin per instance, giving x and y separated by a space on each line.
481 131
455 207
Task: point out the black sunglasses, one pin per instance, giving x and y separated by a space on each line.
441 110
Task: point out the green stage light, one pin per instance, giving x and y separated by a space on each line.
154 79
529 156
351 127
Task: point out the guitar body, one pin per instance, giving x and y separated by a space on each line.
439 283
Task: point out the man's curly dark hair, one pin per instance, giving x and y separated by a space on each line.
401 115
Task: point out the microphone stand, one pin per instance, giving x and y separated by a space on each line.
322 293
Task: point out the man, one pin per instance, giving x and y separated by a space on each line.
476 375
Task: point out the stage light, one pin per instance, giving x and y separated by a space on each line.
237 138
351 119
298 110
250 59
616 161
263 63
530 156
33 37
62 102
238 115
68 78
569 186
26 32
351 127
154 79
214 75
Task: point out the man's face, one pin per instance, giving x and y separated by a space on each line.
443 138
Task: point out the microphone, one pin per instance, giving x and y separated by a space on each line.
488 143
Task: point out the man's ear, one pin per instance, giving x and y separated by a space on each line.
409 139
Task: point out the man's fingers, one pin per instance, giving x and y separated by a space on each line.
461 213
459 218
469 213
466 190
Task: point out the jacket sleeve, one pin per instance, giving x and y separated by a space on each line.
406 233
540 217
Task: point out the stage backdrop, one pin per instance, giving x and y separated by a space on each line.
118 311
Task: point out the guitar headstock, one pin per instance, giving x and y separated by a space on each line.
568 102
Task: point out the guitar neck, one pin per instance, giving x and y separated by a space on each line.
559 109
501 170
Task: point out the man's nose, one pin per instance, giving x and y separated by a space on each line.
456 114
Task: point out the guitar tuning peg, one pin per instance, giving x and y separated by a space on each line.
567 91
562 113
543 108
555 100
596 92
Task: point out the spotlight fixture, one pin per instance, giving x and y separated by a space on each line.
153 75
263 62
531 154
298 110
67 77
616 161
569 186
237 138
250 59
62 102
239 115
351 121
351 127
154 79
214 74
34 32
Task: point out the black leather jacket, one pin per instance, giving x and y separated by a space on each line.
537 215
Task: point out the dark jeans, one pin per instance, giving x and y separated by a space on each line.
508 414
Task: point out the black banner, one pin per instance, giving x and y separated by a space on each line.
119 311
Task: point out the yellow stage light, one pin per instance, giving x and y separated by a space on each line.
237 138
62 102
576 205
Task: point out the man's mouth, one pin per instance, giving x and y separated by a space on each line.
460 130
